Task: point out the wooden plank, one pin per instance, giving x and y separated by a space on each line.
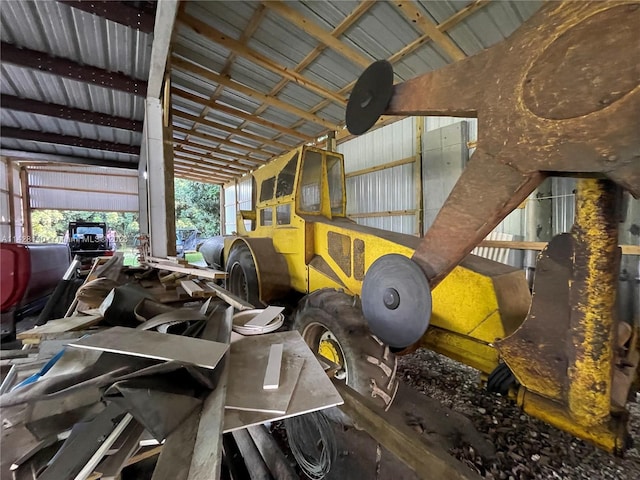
265 317
248 117
239 48
521 245
423 456
384 166
319 33
196 272
415 16
233 131
272 373
393 213
230 298
138 457
184 65
68 324
192 288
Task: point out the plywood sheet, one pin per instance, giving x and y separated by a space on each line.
160 346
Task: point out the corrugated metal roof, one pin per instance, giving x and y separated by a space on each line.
379 30
64 31
60 30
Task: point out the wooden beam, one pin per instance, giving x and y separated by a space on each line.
56 138
411 11
384 166
424 456
389 213
349 20
451 22
201 179
27 231
238 87
214 163
232 157
233 131
214 105
25 57
220 155
119 12
203 172
242 50
208 167
10 102
212 138
12 200
318 33
520 245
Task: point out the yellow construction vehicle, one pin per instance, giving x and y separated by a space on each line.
372 291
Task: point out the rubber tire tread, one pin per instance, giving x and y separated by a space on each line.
241 255
501 379
342 315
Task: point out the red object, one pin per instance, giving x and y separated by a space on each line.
29 272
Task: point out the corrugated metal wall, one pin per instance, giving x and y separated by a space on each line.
237 197
92 189
5 226
391 193
229 209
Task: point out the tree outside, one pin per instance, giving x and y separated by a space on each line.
197 206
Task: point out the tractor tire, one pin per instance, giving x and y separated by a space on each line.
242 276
332 324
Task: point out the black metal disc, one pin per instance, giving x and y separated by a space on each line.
396 300
370 97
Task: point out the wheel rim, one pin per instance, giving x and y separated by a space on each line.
238 281
324 342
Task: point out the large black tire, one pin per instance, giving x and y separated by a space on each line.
332 321
242 277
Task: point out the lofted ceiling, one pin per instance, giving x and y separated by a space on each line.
249 80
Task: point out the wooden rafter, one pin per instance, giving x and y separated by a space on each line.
250 29
188 147
207 160
240 49
197 177
215 139
317 32
203 168
184 65
451 22
348 21
237 132
252 118
196 151
411 11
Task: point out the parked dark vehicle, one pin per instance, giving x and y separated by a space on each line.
89 239
28 275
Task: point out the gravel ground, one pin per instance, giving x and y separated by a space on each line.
526 448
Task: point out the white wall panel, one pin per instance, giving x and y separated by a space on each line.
83 188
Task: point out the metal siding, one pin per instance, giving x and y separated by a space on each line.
391 189
229 209
46 87
563 204
86 201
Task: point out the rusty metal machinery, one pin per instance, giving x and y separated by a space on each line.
561 96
